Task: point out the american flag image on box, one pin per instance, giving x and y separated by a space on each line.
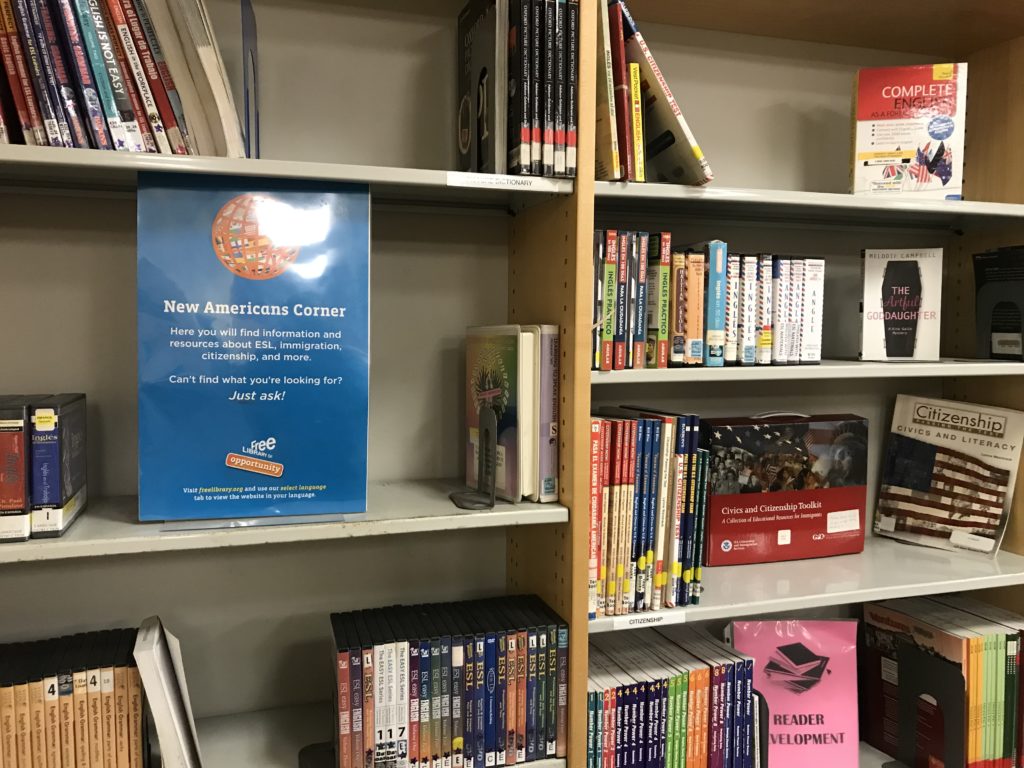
939 492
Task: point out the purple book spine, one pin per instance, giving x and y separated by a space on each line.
548 458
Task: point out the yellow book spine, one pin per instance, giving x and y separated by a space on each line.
637 108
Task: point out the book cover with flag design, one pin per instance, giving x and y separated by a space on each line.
948 474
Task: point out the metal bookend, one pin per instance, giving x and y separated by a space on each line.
486 468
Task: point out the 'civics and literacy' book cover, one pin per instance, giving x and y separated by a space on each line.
253 302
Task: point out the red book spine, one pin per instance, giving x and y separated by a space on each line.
18 77
611 257
129 81
665 261
615 478
639 339
344 712
622 304
13 469
604 521
594 542
153 76
620 74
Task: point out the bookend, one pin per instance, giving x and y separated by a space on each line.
486 468
999 308
922 674
319 755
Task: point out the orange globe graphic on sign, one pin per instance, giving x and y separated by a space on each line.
242 247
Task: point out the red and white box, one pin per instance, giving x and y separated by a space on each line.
785 487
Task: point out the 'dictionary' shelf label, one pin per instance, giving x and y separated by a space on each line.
253 322
492 181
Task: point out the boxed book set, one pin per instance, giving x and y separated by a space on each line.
42 464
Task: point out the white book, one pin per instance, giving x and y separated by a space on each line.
158 656
748 311
813 305
901 311
794 315
780 310
732 309
208 75
763 344
402 703
656 585
174 56
608 167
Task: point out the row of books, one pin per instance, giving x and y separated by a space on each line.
123 75
466 685
87 700
641 133
518 91
958 698
672 698
43 482
648 511
658 306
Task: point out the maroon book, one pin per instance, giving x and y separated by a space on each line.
623 109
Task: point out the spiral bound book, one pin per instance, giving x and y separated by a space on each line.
901 309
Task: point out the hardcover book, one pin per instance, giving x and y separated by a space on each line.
785 487
908 136
807 671
948 474
253 302
482 99
902 307
59 488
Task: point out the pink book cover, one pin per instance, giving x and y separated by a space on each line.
807 673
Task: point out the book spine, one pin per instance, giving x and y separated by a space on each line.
344 710
562 711
479 697
18 78
677 299
138 108
14 458
607 150
66 709
152 81
145 20
780 311
748 311
560 62
500 697
595 517
49 79
536 87
548 80
468 710
147 109
33 59
136 717
632 446
613 578
107 50
572 69
458 695
542 692
636 105
812 311
551 702
446 701
369 709
413 709
80 698
674 563
714 319
730 355
701 523
533 652
548 428
426 737
602 553
77 13
64 89
46 460
437 744
95 121
763 352
522 656
664 291
511 694
641 512
639 356
632 294
795 310
620 75
695 266
355 687
621 302
597 317
610 299
519 86
108 717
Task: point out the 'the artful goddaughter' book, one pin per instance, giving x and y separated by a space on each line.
901 311
908 131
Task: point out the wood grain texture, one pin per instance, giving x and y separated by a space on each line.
945 28
550 274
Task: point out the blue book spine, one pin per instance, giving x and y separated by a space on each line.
490 708
714 304
748 702
728 718
739 714
633 715
46 468
653 484
533 651
499 698
640 725
35 68
78 63
479 690
63 81
49 73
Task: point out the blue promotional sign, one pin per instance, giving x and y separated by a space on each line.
253 301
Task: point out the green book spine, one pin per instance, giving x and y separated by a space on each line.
684 717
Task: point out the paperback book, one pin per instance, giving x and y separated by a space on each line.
948 474
901 311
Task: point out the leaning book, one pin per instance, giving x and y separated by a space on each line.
948 474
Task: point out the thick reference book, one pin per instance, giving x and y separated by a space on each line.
948 474
908 131
901 311
59 489
253 302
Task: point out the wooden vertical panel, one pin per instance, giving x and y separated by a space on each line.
550 276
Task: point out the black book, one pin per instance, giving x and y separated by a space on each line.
536 87
519 18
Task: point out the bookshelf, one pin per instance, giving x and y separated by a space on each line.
768 94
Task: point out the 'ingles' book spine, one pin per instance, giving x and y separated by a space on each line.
714 318
609 301
519 86
748 311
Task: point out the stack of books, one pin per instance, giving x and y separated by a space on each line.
43 484
518 94
648 511
641 132
124 75
671 697
662 306
467 685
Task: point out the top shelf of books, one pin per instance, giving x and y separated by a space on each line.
771 204
948 28
94 170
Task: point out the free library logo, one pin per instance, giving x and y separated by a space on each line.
242 236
